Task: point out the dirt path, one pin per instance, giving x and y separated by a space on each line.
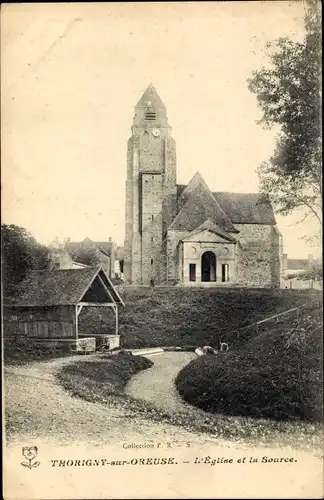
40 413
38 408
157 385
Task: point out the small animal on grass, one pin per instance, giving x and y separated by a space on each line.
224 346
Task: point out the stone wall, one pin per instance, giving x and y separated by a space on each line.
182 253
151 227
224 253
172 240
150 204
258 256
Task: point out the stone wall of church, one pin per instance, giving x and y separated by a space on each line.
258 257
181 254
172 240
150 205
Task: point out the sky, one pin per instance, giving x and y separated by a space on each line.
71 76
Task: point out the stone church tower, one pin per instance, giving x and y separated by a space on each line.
151 191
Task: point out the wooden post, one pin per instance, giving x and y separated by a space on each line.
116 312
76 323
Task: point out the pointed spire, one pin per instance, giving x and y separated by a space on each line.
150 98
150 111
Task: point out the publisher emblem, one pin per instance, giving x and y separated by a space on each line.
30 453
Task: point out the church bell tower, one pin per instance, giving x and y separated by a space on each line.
150 191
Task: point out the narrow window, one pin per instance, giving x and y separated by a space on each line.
152 217
152 239
151 261
192 272
225 272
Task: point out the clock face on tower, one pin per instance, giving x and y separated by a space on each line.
156 132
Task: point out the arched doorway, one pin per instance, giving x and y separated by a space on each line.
208 266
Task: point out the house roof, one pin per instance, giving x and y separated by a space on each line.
60 287
208 225
103 246
120 253
241 208
297 264
197 204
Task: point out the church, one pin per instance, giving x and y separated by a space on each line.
187 234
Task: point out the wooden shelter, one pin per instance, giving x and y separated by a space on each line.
50 302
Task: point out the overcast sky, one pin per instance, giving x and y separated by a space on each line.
71 76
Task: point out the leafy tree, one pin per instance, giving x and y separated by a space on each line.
289 95
314 272
21 253
86 255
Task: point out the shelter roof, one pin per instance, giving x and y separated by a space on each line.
60 287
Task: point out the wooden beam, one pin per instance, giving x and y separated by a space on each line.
116 312
106 289
97 304
76 323
79 308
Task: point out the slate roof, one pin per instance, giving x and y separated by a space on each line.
196 205
60 287
246 208
241 208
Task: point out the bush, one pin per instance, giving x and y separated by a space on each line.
277 375
108 375
20 350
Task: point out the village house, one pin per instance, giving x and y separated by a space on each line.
74 254
298 266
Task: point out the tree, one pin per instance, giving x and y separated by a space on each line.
21 253
289 95
86 255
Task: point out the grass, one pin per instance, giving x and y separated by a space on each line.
277 374
103 381
180 317
20 350
104 377
183 316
